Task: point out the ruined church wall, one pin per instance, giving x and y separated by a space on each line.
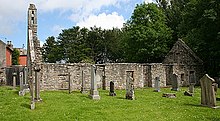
116 72
51 77
158 70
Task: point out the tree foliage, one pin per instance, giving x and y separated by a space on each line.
148 35
15 57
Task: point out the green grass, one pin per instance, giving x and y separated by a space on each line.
148 106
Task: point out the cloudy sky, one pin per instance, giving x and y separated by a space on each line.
55 15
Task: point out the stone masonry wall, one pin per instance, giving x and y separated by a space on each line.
158 70
52 78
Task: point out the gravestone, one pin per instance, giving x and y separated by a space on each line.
32 92
207 91
14 80
169 95
192 81
37 84
21 92
94 94
83 89
112 89
175 83
157 84
130 86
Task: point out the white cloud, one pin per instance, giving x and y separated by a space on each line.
57 29
150 1
14 12
41 43
102 20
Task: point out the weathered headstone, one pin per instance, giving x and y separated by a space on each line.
175 83
83 89
37 84
130 86
21 92
70 89
94 94
169 95
157 84
32 92
112 89
207 91
14 80
192 81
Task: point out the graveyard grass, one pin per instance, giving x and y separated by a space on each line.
148 106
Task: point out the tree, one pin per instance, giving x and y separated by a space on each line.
201 30
15 57
147 35
50 50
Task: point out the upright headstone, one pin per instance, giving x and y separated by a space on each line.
112 89
37 84
83 89
192 82
94 94
130 86
175 83
21 92
157 84
32 92
14 80
70 89
25 78
207 91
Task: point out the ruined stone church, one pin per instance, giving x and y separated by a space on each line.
181 60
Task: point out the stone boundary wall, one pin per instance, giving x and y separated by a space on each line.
144 75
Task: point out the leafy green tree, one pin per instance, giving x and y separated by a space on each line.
15 57
201 30
147 35
50 50
72 43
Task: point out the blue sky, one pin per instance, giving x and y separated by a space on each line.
55 15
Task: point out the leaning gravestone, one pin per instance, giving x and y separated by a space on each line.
207 91
112 89
130 86
157 84
175 83
94 94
